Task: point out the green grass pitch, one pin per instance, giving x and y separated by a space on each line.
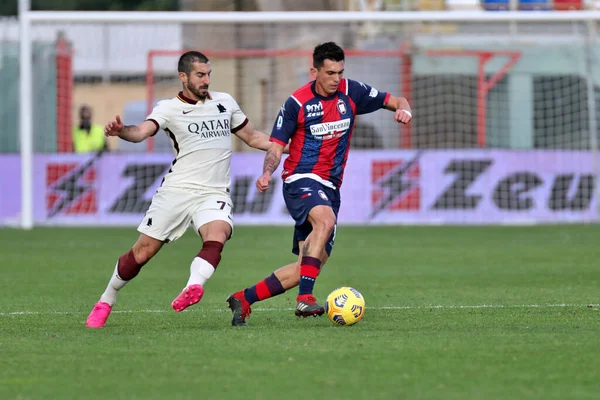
452 313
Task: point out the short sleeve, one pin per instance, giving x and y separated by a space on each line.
160 116
238 118
367 98
286 123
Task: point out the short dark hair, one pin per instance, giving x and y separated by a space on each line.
327 51
187 59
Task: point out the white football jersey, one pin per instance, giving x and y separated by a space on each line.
201 137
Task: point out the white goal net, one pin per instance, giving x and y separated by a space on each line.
504 127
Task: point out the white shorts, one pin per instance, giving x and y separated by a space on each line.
173 210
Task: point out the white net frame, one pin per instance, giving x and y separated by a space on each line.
430 41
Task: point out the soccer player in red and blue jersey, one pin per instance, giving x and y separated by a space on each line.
317 120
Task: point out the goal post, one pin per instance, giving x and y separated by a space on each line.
504 107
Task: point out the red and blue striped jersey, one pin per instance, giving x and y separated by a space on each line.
320 129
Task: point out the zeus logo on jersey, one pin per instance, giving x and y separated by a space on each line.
314 110
329 130
211 128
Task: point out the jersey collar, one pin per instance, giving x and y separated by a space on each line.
186 99
312 87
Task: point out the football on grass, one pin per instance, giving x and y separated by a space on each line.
345 306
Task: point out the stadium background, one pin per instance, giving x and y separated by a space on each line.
507 87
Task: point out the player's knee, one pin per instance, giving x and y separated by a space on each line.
211 252
143 253
325 226
218 231
145 248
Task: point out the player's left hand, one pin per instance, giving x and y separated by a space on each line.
402 116
262 183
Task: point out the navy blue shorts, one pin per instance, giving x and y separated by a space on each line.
300 197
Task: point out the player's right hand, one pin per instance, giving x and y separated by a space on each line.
262 183
114 128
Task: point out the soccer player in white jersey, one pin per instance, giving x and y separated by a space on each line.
196 188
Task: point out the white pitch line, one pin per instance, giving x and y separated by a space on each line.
450 307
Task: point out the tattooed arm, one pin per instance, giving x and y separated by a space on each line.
272 159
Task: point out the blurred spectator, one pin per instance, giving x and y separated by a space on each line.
87 136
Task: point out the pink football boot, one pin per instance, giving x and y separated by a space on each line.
189 296
99 315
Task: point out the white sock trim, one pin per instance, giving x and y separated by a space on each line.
114 285
200 271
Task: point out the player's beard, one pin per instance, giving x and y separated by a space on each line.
197 91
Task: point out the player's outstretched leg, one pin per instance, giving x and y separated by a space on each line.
128 267
125 270
201 269
272 286
281 280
